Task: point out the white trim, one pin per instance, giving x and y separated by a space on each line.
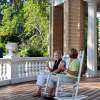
97 1
91 40
58 2
98 14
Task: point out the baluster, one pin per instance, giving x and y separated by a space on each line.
39 66
8 70
31 68
15 71
23 69
36 68
26 68
5 70
0 71
46 67
42 67
20 70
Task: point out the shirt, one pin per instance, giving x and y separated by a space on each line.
56 64
73 68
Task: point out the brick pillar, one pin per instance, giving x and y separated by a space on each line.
66 27
82 18
73 24
57 40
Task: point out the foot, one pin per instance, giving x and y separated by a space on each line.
49 98
36 95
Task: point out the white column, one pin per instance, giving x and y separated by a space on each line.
91 40
51 27
66 28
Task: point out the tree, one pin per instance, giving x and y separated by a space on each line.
3 2
36 19
27 22
8 24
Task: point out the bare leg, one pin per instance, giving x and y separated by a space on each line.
39 90
38 93
50 91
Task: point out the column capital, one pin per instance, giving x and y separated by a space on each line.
91 2
98 14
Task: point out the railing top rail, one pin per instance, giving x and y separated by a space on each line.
27 59
4 59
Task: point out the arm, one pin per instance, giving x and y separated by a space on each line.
50 69
60 68
50 65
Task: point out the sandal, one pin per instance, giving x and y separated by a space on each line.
36 95
49 98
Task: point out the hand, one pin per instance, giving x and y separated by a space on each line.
53 73
47 64
50 69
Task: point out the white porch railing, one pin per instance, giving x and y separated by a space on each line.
21 69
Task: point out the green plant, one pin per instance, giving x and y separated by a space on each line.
20 23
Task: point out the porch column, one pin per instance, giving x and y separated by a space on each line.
66 28
91 40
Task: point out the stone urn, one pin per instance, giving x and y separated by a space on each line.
11 47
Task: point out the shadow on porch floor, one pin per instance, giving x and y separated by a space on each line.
89 87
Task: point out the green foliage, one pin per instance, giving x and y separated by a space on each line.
8 23
27 24
2 48
34 52
35 18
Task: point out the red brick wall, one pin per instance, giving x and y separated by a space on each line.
70 35
58 28
75 24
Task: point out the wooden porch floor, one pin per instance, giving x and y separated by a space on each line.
89 87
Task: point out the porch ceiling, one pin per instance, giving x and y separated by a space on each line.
98 1
98 7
